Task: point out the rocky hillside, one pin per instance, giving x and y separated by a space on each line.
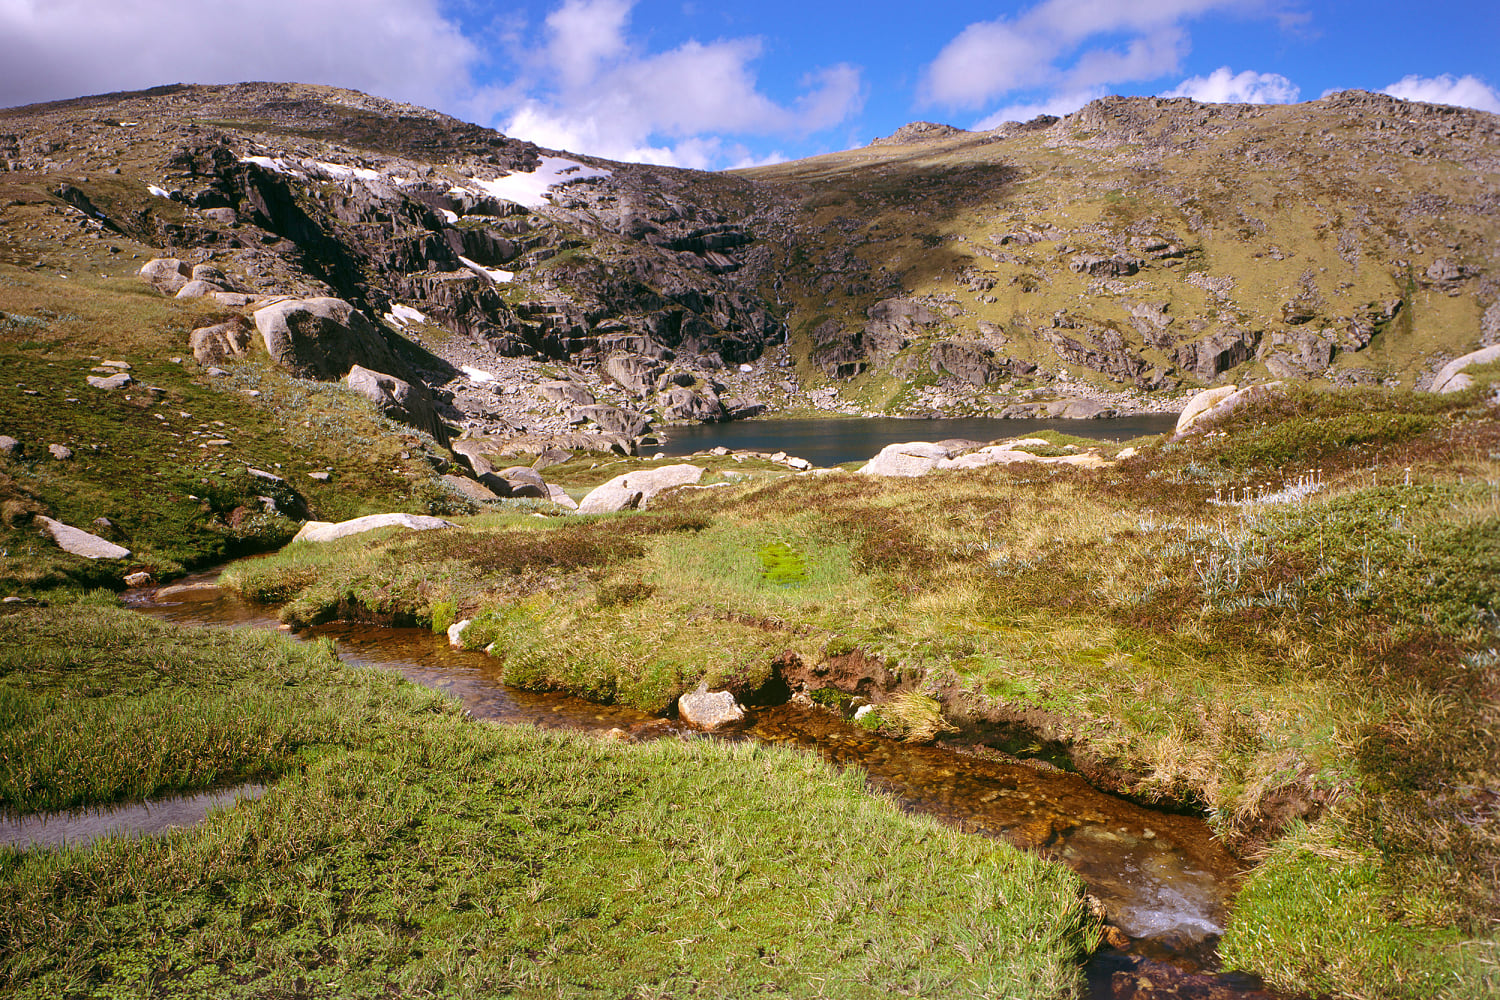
1142 246
1113 259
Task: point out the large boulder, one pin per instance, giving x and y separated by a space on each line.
914 458
1201 404
322 338
397 399
635 373
328 531
166 274
1212 404
1452 377
564 392
612 419
80 542
683 405
525 482
214 345
634 489
709 709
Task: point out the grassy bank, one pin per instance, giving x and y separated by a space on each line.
402 847
1288 622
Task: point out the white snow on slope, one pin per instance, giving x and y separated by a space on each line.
276 165
532 189
493 273
404 316
158 192
339 170
477 374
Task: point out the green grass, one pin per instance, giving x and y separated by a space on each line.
1314 924
405 848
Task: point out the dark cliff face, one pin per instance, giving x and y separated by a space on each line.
1138 247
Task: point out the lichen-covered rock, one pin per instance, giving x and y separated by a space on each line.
913 458
166 274
214 345
398 399
709 709
1201 404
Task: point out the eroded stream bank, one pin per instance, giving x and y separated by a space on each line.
1165 883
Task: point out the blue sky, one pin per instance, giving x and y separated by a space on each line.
712 85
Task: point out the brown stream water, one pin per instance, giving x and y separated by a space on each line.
1164 881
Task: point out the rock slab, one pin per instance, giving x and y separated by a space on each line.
80 542
328 531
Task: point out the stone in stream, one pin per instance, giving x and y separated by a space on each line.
456 633
80 542
709 709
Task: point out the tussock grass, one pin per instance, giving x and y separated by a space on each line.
413 850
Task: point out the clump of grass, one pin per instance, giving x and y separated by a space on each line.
782 565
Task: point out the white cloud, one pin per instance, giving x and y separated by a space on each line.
1224 86
1031 51
1462 91
403 49
606 96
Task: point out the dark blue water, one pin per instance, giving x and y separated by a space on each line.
829 442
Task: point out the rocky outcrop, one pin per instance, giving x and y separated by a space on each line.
635 489
688 405
323 338
327 531
634 373
974 363
1212 356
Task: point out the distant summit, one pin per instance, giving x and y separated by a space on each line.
918 132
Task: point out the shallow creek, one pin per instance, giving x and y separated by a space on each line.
1164 882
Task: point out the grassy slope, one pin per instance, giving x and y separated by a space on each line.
1336 652
403 847
142 459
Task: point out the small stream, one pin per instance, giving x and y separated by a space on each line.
1164 881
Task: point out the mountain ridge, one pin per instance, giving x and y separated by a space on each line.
1109 260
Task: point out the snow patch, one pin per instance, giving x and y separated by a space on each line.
339 170
452 217
273 164
533 189
158 192
478 374
404 316
493 273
